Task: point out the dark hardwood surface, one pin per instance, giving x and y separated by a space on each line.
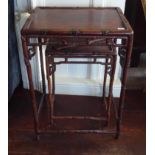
21 133
49 20
82 51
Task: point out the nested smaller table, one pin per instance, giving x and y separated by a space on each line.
108 56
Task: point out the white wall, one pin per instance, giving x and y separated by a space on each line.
71 79
22 5
96 3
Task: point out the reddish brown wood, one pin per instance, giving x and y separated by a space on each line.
104 83
32 93
41 103
73 21
80 118
77 27
82 52
127 58
20 127
81 131
112 74
50 96
42 66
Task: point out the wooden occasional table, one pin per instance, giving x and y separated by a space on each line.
80 26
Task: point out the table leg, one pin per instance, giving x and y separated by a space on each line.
53 89
104 82
104 89
53 80
31 87
112 73
50 96
42 67
128 51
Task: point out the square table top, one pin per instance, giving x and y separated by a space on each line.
54 20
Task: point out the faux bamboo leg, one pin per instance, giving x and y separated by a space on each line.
113 66
104 87
104 81
123 82
42 67
31 87
49 92
53 88
53 76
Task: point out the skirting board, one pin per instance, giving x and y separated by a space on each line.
83 86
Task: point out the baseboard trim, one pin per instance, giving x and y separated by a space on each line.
86 87
80 86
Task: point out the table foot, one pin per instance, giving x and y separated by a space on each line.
36 138
117 135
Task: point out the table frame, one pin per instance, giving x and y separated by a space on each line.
105 38
110 57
